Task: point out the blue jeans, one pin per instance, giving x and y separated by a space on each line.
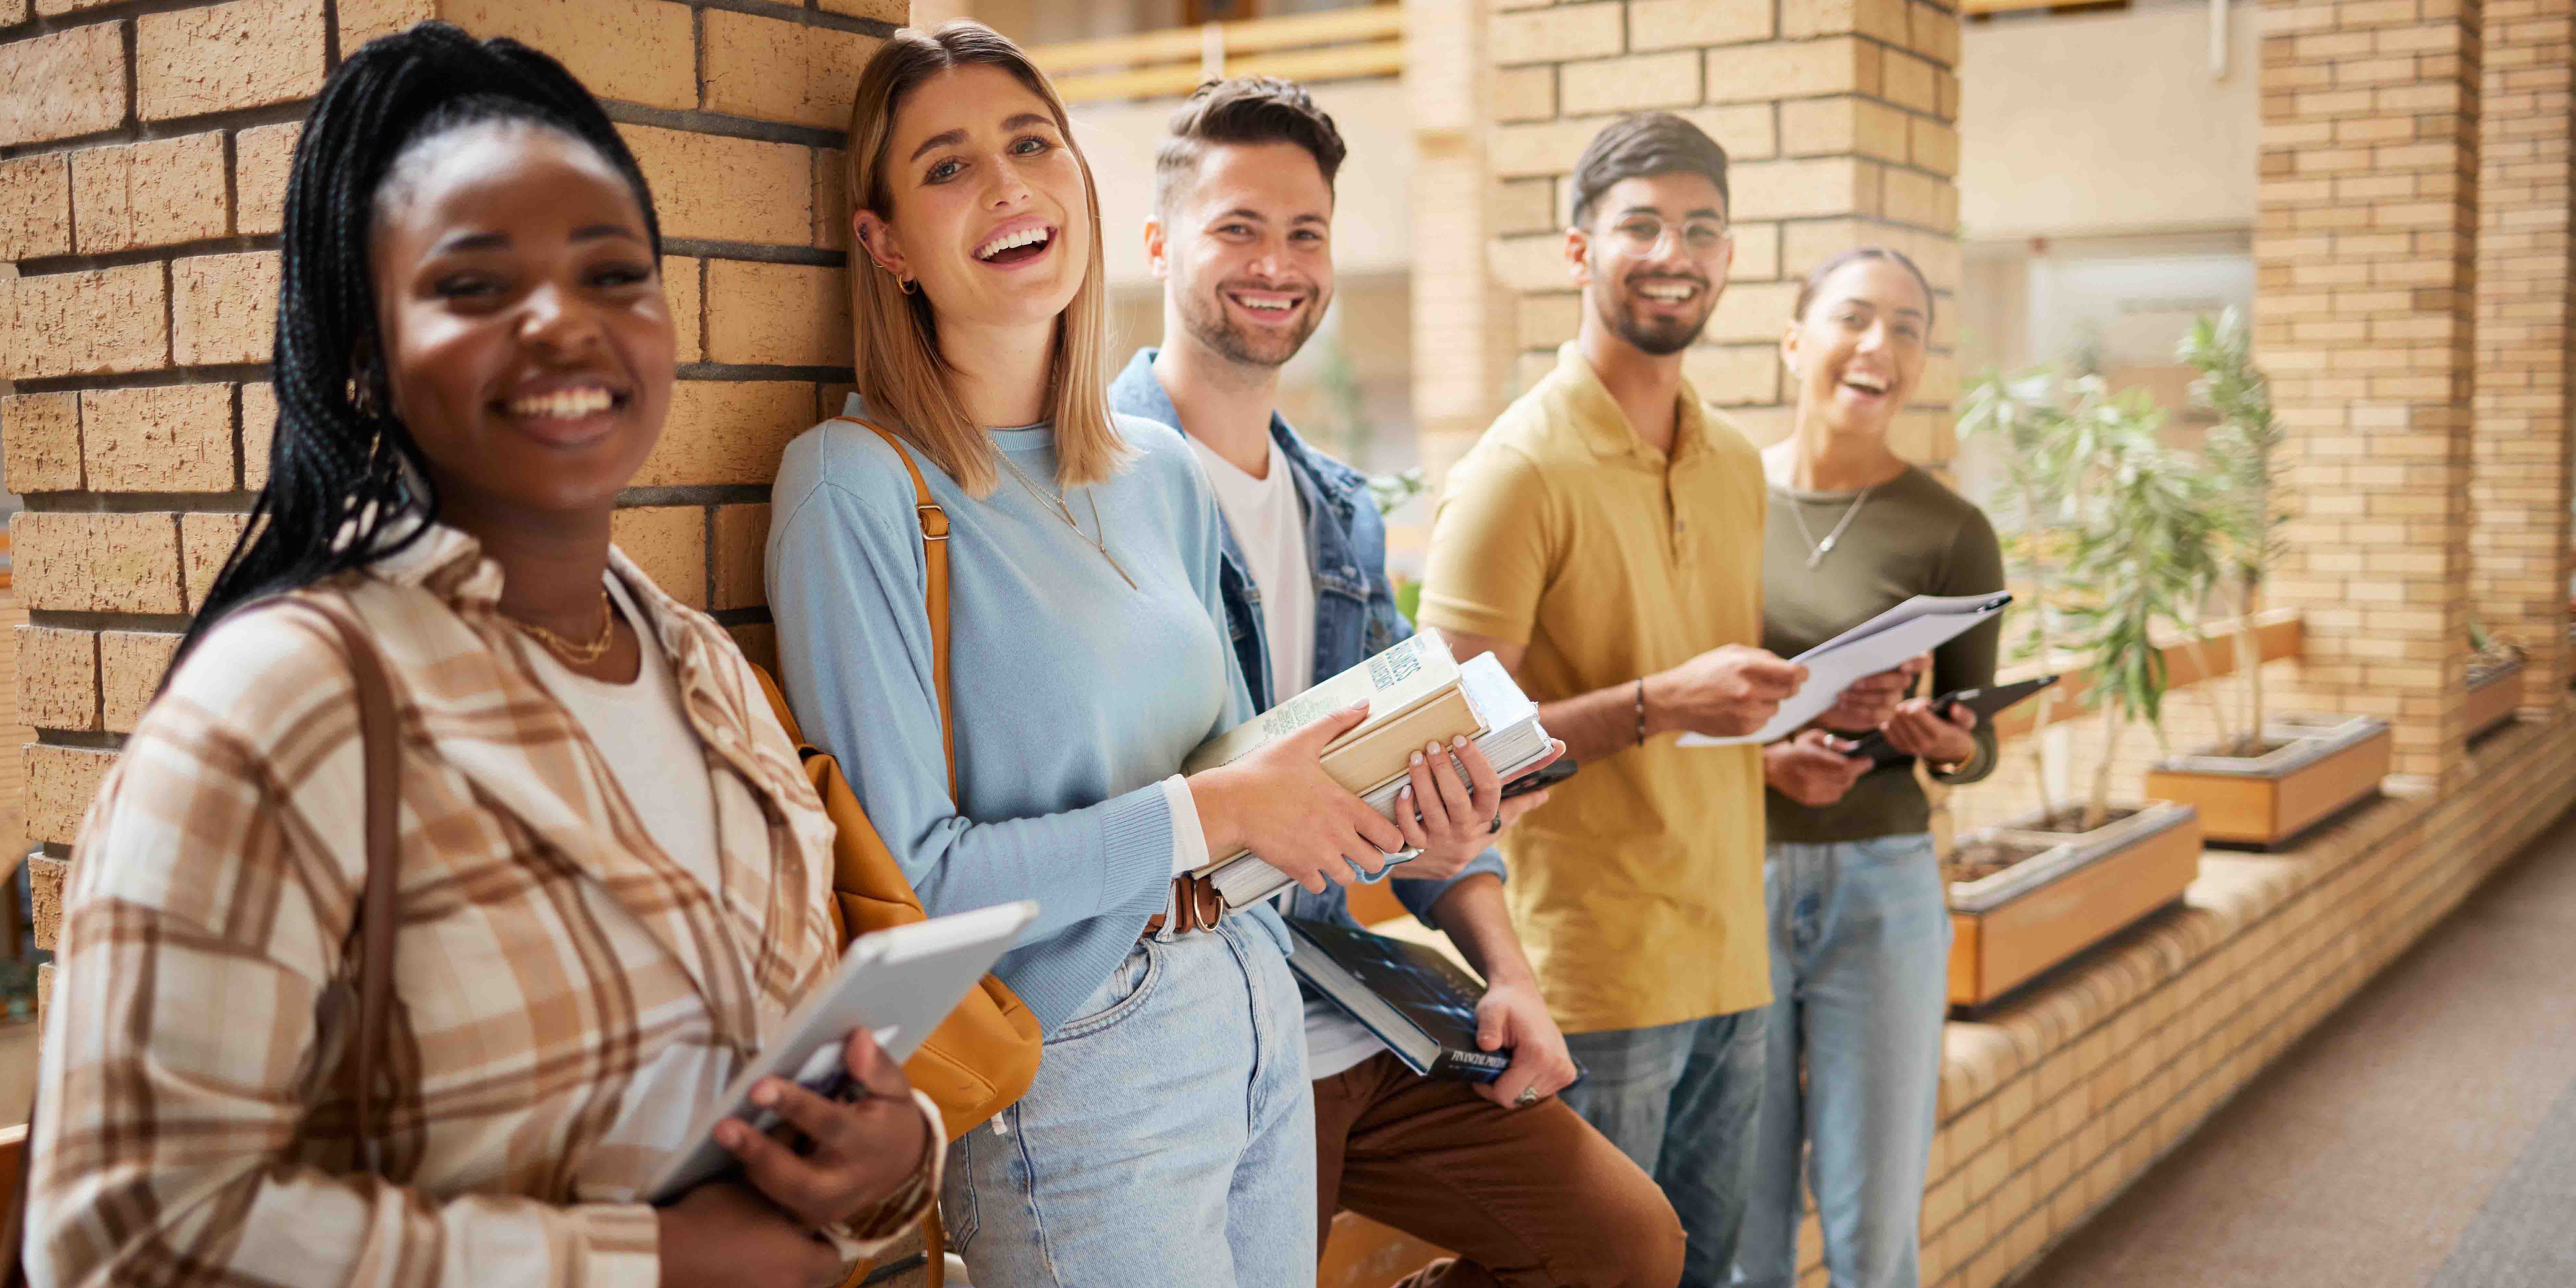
1681 1101
1860 951
1169 1137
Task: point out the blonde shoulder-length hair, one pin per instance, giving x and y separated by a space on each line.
900 368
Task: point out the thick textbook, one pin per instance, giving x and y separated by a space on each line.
1480 701
1413 697
1416 1001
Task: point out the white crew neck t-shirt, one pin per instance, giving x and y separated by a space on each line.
1269 521
642 732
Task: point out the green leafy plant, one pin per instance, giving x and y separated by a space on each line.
1391 491
2243 457
2112 533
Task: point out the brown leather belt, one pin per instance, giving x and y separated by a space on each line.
1199 904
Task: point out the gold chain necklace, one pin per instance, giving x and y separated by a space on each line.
577 654
1065 512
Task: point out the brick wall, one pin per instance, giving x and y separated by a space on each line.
2364 252
1461 362
2519 493
143 158
1837 114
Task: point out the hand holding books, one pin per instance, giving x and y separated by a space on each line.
1451 820
1418 697
1278 801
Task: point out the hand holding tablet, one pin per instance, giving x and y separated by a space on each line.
858 1135
849 1038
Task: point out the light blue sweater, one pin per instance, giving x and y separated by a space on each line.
1074 695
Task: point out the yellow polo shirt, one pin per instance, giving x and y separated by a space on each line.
1638 886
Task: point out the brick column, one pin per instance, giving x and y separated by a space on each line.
143 159
1838 114
1461 357
2519 488
2365 252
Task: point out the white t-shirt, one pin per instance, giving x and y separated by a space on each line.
643 733
1269 521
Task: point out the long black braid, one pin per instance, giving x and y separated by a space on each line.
346 483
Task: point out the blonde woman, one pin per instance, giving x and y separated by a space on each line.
1169 1137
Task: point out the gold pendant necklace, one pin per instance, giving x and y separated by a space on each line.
1065 513
577 654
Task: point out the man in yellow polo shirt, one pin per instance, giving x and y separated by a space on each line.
1604 542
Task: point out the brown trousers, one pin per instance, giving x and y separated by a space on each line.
1526 1197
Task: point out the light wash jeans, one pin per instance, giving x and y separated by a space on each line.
1681 1101
1169 1137
1860 952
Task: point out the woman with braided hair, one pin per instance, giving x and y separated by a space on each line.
612 875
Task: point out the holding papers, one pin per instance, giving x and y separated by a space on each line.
1880 644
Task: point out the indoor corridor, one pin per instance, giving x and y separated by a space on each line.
2422 1137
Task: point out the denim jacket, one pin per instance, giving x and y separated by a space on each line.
1355 613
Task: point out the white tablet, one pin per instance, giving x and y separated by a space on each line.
898 984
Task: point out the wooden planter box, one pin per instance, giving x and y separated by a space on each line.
2324 766
2021 921
2495 693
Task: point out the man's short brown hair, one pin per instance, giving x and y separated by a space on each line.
1648 143
1244 109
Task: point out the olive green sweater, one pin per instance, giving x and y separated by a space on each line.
1914 536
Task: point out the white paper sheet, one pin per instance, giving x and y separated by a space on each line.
1882 643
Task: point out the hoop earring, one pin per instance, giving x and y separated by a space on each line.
904 284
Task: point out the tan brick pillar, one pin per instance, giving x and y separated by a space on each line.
2365 251
1839 116
143 159
1461 353
2519 488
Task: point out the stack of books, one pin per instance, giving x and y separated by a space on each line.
1418 695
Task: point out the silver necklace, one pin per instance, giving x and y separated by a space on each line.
1798 511
1065 512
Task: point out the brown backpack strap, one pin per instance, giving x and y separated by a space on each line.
934 558
378 909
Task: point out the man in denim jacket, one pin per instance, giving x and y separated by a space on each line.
1503 1173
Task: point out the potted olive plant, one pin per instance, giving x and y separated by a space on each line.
2269 778
2111 535
2495 681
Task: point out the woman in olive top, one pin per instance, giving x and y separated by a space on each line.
1859 930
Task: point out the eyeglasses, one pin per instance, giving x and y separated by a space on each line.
1645 234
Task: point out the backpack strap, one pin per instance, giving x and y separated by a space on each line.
934 558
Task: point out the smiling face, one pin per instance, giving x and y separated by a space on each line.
526 340
1858 350
1246 251
1653 259
989 208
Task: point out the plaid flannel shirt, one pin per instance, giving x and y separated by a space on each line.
569 998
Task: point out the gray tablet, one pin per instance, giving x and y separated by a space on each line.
898 984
